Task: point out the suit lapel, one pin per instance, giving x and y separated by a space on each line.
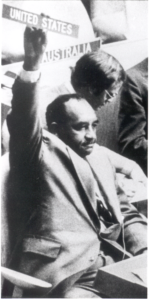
86 179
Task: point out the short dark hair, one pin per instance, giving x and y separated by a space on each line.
55 111
97 70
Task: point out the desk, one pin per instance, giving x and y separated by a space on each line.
119 280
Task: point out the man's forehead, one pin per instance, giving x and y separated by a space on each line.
75 108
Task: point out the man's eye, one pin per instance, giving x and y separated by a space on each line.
95 125
80 127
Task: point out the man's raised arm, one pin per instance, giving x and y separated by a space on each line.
23 120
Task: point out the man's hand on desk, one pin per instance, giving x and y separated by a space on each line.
134 190
133 181
137 174
129 186
35 42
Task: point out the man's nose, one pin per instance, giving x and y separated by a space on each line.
90 134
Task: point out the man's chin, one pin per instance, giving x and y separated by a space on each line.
88 150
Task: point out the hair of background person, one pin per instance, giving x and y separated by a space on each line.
97 70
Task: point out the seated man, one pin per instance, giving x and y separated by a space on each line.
74 221
100 78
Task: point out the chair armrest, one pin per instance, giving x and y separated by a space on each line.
24 281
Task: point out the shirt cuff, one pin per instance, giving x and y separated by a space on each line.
29 76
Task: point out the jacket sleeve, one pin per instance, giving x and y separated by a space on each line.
133 120
24 126
124 165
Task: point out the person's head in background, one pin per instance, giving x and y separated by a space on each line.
73 120
97 77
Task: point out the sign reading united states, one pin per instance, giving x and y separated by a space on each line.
40 21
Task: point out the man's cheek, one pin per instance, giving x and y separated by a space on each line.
76 136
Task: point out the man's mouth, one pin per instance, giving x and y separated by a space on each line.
89 145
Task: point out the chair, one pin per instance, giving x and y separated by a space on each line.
22 281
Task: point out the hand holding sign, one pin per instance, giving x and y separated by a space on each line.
35 42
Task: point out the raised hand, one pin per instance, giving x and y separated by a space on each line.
35 42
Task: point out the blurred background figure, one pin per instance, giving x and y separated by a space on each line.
133 115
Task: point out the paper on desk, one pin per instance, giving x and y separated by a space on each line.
141 274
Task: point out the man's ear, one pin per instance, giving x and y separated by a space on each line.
54 128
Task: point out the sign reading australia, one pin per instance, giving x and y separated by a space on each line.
40 21
71 51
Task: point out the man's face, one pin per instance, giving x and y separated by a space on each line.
79 131
104 97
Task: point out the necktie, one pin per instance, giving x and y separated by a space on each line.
103 212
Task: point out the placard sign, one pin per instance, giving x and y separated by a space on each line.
70 52
40 21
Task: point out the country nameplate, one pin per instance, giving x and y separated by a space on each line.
52 56
71 51
40 21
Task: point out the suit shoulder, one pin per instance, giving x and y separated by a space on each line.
136 77
51 140
99 153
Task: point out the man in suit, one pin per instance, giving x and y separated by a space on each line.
71 221
133 115
101 79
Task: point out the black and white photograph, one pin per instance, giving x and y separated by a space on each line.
74 149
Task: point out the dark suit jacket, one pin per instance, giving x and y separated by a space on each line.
58 228
123 122
133 117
